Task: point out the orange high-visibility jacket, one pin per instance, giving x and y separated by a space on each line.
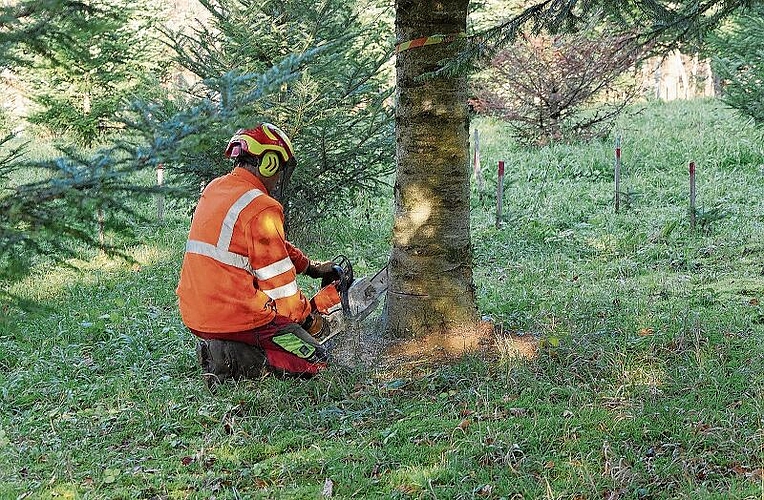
239 270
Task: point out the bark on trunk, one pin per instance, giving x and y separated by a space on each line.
431 286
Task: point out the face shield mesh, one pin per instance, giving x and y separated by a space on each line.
286 174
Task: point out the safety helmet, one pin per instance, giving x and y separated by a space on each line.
265 141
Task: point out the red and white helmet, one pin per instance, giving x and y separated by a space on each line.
264 138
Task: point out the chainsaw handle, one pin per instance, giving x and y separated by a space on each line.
345 270
339 270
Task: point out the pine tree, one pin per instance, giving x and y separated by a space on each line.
56 207
738 49
31 26
77 199
333 103
86 78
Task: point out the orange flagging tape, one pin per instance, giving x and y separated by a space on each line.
428 40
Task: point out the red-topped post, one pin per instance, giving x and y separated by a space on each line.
692 194
499 194
617 173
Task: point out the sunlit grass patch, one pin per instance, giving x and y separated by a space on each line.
48 283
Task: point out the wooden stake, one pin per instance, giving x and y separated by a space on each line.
617 173
476 165
160 196
692 195
101 228
499 194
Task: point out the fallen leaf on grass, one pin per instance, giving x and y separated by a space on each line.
464 424
485 490
645 332
376 471
747 471
549 343
328 490
110 475
408 489
703 428
739 469
186 460
612 495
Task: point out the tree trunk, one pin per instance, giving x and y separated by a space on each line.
431 287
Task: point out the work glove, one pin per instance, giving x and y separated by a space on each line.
323 270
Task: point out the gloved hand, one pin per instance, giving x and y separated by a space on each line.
323 270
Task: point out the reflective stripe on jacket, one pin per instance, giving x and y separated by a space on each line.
239 271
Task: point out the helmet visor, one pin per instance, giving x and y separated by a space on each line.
289 168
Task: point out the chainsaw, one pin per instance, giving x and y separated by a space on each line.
347 299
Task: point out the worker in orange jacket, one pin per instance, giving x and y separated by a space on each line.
238 291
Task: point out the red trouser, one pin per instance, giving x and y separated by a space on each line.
287 347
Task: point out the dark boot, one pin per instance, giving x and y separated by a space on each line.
224 359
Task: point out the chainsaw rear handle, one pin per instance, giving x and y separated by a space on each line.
344 269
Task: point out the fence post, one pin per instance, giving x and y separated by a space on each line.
692 195
617 173
476 166
160 196
101 228
499 194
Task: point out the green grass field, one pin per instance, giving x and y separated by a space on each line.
647 381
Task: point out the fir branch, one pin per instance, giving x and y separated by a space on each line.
661 24
54 215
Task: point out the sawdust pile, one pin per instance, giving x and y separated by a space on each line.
366 346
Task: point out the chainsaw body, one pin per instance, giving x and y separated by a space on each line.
347 299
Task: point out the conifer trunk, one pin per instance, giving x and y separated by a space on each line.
431 285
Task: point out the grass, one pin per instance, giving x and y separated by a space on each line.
647 382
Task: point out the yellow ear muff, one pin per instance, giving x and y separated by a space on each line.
269 164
